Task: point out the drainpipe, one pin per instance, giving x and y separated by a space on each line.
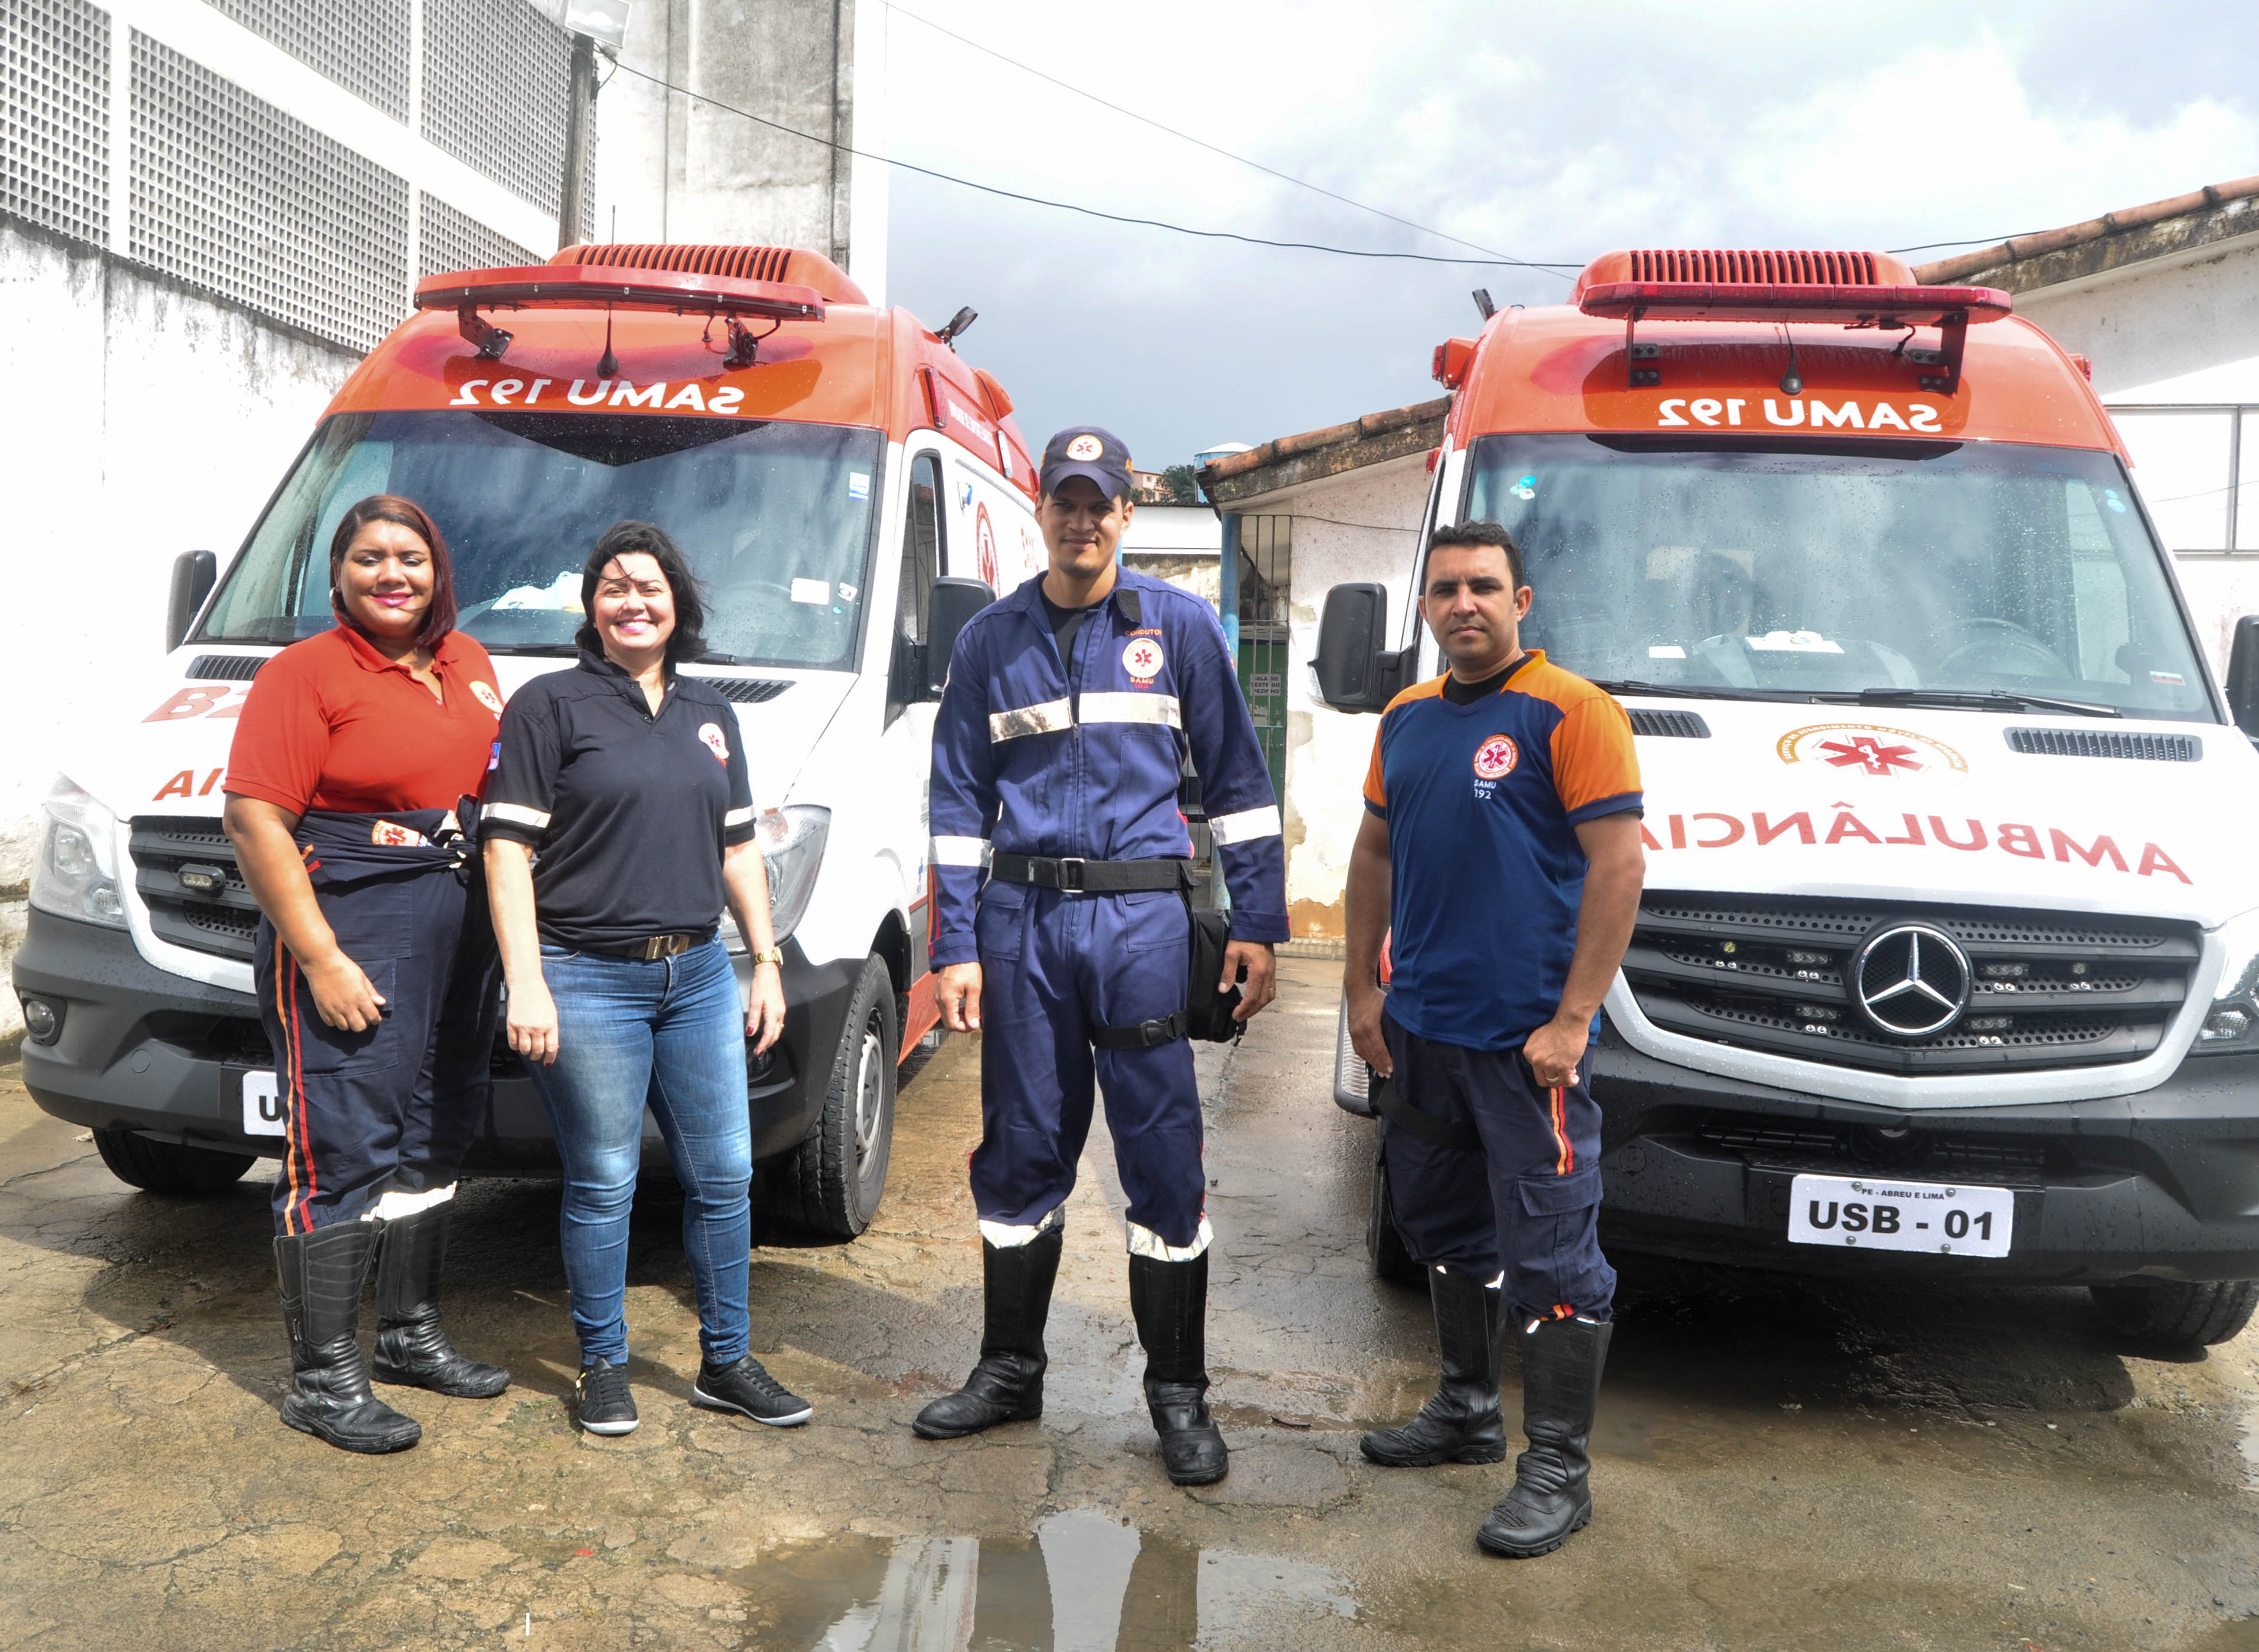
1227 599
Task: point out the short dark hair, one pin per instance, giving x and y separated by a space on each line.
646 539
440 619
1480 533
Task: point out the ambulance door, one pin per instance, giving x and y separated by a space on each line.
906 746
995 538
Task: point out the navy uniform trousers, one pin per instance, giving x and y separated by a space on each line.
1526 1203
1054 965
398 1105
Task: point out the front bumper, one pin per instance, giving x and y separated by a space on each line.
2164 1183
143 1049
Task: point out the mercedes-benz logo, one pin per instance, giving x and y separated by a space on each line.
1911 979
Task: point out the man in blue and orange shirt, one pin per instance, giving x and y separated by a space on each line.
1500 846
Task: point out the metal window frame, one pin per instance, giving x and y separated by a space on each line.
2236 412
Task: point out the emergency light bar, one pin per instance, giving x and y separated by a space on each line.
1851 289
593 285
608 286
1749 301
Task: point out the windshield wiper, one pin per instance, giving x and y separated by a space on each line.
1690 691
1975 700
559 651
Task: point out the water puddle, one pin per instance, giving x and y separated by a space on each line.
1079 1583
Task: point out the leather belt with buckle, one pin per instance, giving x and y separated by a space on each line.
652 948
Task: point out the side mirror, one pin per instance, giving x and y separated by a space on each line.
193 573
1355 671
2243 675
954 600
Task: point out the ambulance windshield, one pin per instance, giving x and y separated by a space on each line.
1920 569
774 518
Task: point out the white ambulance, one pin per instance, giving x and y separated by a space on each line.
848 490
1948 964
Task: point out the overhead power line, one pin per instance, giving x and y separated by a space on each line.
1981 240
1202 143
1085 211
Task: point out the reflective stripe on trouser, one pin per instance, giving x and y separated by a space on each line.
1528 1203
399 1104
1053 965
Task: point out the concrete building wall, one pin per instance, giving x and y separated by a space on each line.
143 419
673 166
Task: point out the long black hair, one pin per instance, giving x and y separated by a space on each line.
644 538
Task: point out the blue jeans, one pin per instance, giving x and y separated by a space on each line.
670 1033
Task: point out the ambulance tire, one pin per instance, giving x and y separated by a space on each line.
1382 1243
831 1185
2171 1313
167 1167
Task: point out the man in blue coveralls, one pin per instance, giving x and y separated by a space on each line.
1072 704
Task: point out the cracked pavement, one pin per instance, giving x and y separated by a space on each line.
1779 1464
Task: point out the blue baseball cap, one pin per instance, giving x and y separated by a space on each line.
1086 451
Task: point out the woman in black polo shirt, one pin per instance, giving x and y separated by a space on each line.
618 821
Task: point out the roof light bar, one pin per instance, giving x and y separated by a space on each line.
1750 301
600 285
608 286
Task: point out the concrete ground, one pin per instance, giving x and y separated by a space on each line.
1778 1465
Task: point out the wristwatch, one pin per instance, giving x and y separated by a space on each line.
771 955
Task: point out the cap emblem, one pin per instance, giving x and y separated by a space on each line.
1085 448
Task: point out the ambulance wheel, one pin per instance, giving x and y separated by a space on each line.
2173 1315
1390 1261
830 1187
167 1167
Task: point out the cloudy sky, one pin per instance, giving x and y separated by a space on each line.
1543 134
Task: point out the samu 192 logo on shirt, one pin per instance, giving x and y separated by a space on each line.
1495 757
1143 659
711 733
484 694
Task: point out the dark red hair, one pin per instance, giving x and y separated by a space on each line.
440 619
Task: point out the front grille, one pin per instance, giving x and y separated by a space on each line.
2046 989
1816 1147
744 691
2106 743
223 920
1671 725
226 667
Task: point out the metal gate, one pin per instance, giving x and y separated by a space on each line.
1266 568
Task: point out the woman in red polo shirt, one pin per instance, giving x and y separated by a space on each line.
375 966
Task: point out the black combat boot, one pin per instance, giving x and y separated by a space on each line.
322 1273
1007 1384
1561 1362
1169 1300
410 1346
1461 1423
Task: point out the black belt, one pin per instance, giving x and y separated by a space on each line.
1078 876
650 948
1146 1035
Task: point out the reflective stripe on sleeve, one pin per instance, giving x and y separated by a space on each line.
1053 717
960 851
517 815
1144 1242
1245 826
737 816
1129 706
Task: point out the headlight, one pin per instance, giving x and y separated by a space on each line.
76 873
2231 1027
792 846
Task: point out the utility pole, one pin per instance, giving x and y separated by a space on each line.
580 119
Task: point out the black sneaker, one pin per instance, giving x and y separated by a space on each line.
747 1389
601 1403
